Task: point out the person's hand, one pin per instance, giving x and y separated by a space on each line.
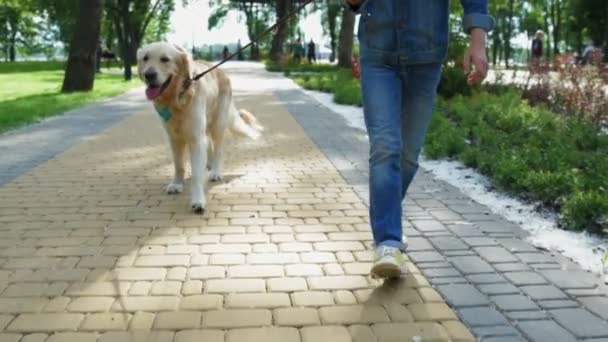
354 2
475 56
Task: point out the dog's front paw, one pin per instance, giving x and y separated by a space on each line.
198 208
215 176
174 188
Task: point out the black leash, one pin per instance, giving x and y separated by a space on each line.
255 40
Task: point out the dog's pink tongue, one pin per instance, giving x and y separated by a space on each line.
152 93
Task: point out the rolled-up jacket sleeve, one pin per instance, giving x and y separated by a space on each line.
476 15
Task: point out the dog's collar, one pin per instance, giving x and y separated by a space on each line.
163 112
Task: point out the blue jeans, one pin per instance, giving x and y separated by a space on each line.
398 105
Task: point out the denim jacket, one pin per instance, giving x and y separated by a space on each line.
414 31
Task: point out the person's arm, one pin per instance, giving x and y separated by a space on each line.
476 22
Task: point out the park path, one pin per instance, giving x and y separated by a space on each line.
93 250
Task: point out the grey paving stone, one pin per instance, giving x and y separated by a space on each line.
535 258
443 233
482 316
543 292
458 253
544 331
569 279
526 315
597 305
581 322
486 216
437 264
525 278
495 254
468 208
513 302
503 339
430 203
428 225
497 226
441 272
462 295
496 331
581 293
479 241
418 244
465 230
471 264
448 280
511 267
448 243
426 256
486 278
557 304
545 266
410 232
516 245
445 215
495 289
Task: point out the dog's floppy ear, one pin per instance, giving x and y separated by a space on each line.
184 64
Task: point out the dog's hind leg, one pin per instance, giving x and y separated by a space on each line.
177 184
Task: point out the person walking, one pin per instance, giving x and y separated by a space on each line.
537 48
312 56
403 44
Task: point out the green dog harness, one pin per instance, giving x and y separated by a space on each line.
163 112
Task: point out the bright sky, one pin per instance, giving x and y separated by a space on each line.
190 24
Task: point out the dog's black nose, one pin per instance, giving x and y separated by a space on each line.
150 75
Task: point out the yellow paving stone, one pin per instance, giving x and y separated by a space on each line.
458 332
226 319
296 317
271 334
106 322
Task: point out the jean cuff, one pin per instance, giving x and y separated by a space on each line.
402 245
483 21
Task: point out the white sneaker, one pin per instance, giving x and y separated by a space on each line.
388 263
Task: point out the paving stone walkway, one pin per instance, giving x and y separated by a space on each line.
93 250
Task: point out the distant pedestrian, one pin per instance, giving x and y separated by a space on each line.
312 56
98 55
537 47
298 51
225 53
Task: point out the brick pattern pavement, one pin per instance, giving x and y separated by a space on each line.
93 250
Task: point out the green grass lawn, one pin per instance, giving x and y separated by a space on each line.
31 91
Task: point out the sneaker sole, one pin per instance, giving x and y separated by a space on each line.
386 271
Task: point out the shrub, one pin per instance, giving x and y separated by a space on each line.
587 211
555 160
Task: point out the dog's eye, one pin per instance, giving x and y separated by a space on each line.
164 59
145 58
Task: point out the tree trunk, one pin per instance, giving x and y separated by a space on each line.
495 46
557 24
509 33
345 47
332 15
276 50
546 22
80 71
12 53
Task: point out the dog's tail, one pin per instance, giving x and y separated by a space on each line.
246 124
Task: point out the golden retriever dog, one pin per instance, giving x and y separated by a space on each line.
196 115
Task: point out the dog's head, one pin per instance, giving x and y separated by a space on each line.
162 66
